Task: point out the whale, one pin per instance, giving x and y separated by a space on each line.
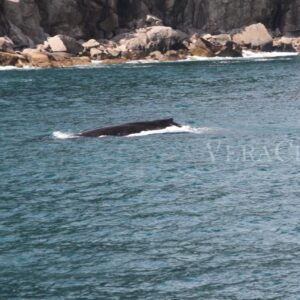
129 128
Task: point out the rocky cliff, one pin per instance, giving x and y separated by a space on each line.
29 22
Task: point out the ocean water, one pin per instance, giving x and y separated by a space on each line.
208 211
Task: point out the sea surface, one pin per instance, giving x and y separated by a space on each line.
207 211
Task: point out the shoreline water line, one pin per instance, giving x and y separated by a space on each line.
248 55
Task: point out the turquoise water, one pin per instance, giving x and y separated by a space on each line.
210 213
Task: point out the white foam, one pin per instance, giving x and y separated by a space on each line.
175 129
247 54
8 68
255 54
63 135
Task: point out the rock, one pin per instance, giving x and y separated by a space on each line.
230 49
11 59
135 41
113 53
37 58
63 43
95 53
140 43
26 21
284 44
220 39
91 44
296 44
80 61
164 38
46 46
197 47
60 56
156 55
255 36
153 21
19 38
71 62
171 55
6 44
110 24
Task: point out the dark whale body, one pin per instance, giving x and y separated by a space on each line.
129 128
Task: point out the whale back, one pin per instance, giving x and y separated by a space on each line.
130 128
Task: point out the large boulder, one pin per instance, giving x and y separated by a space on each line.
255 36
64 43
156 38
164 38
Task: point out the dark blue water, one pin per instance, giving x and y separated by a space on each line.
209 214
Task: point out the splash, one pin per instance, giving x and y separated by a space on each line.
175 129
59 135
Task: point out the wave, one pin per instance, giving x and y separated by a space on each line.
255 54
6 68
171 129
9 68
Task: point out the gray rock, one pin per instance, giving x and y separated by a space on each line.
63 43
142 42
6 44
29 21
163 38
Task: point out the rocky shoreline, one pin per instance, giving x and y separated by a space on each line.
151 40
